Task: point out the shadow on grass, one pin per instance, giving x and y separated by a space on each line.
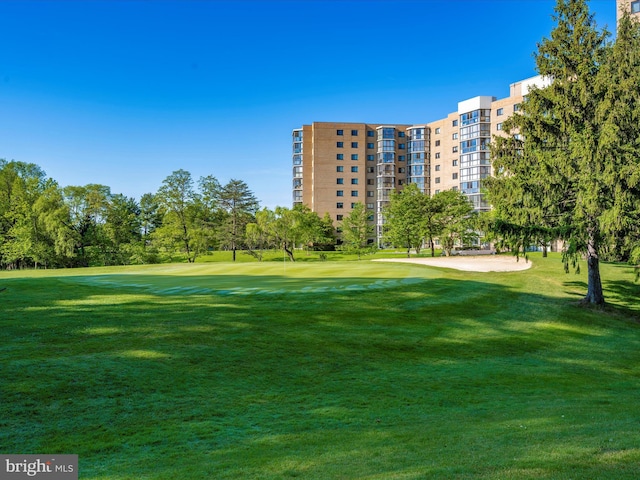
401 381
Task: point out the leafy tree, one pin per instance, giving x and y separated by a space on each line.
122 228
182 209
455 218
405 218
239 205
356 232
572 154
257 234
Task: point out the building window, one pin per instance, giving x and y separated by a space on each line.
339 181
339 205
371 169
339 168
635 7
354 193
401 170
339 132
354 133
354 156
371 145
340 144
370 206
437 154
500 111
454 163
339 217
354 169
437 168
454 188
437 130
354 181
353 205
371 133
454 150
340 193
516 107
437 192
370 181
371 158
454 136
401 134
499 126
454 123
401 146
454 176
339 156
437 179
354 144
400 182
370 194
437 143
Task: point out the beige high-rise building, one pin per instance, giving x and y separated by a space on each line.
632 6
336 165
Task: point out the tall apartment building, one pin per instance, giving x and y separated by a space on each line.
336 165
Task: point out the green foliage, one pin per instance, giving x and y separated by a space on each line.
569 166
406 219
357 232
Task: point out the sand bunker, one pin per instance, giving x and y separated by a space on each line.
476 263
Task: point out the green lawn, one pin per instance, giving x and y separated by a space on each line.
322 370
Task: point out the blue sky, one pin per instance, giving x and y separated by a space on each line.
123 93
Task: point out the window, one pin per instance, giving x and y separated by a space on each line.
339 205
437 168
500 111
339 168
354 133
401 158
339 132
354 169
516 107
354 156
353 205
499 126
354 181
454 136
437 130
371 158
354 193
401 134
371 169
400 170
340 144
371 145
370 181
454 163
340 193
370 206
339 217
339 181
437 143
454 150
437 179
454 188
454 176
437 154
454 123
401 146
354 144
370 194
371 133
437 192
635 7
339 156
400 182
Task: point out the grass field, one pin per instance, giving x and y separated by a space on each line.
322 370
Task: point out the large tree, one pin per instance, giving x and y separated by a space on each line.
406 218
571 155
455 219
357 232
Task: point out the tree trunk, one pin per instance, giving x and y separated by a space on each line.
595 295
